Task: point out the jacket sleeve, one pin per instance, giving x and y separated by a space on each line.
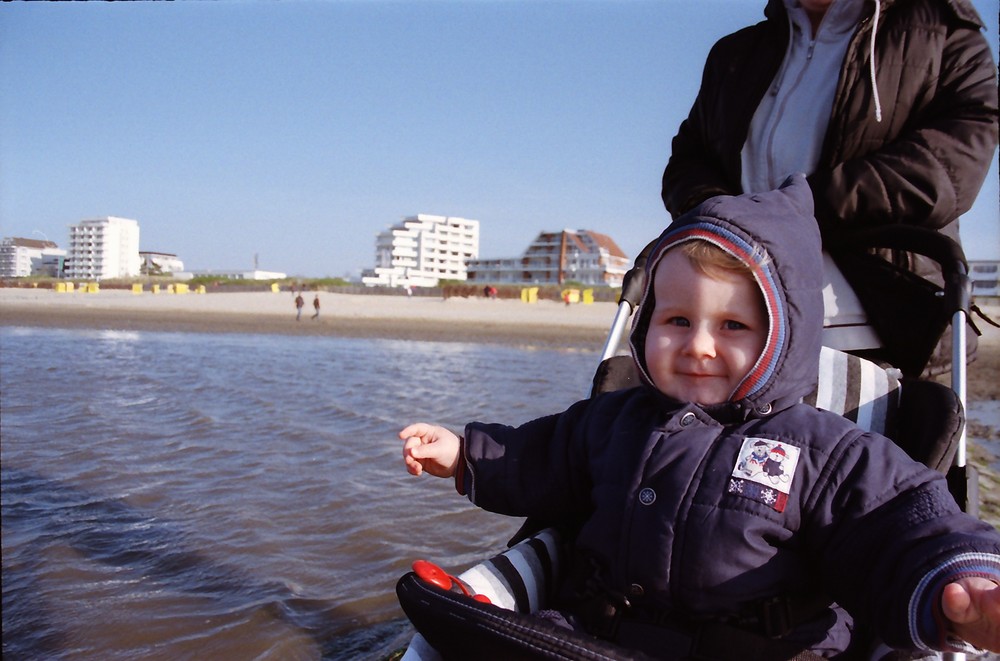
889 536
694 171
537 469
930 169
705 153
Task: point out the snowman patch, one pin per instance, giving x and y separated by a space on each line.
764 471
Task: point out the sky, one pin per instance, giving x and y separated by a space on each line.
290 134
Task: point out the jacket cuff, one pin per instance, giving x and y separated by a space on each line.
928 625
463 473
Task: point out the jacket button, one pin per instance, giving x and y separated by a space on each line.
688 418
635 590
647 496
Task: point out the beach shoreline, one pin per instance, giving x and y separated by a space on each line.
506 321
544 323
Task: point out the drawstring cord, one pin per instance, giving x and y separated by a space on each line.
871 63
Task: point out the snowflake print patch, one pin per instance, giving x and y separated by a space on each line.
764 471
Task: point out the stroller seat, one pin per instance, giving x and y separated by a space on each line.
845 323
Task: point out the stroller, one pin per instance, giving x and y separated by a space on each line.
484 613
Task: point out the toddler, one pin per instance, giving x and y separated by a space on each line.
710 494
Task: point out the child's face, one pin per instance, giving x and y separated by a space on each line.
705 333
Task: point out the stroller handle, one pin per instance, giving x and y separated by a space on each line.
923 241
633 285
634 281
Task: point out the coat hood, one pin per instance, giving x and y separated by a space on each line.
963 10
776 236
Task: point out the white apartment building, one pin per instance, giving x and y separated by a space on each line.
422 250
105 247
583 256
985 276
159 263
20 258
222 274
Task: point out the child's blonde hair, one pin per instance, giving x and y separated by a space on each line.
711 260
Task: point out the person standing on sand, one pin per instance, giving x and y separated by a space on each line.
299 304
316 307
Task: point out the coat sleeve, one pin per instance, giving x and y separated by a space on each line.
887 531
536 469
929 170
705 153
695 171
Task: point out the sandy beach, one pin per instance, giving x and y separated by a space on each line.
545 323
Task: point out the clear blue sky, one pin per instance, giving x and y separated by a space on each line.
297 131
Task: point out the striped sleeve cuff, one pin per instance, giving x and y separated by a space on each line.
928 626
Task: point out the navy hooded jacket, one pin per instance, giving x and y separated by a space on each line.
704 511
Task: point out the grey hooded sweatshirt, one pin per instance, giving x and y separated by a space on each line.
787 130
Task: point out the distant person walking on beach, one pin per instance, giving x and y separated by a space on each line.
316 307
299 304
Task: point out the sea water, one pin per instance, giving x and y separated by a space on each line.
190 496
184 495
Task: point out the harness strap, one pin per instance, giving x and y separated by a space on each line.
756 631
758 634
776 616
711 641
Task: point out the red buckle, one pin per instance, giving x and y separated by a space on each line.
431 573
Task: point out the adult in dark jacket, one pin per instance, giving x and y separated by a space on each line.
697 512
904 137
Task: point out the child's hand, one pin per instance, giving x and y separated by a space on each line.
973 607
430 448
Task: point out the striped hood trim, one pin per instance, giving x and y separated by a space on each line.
776 236
757 262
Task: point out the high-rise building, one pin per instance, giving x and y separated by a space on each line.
422 250
583 256
102 248
20 258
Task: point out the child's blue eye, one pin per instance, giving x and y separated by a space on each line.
678 321
734 325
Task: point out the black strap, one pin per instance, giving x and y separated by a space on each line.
776 616
711 641
982 315
720 641
755 634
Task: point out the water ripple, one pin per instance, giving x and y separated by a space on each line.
236 496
